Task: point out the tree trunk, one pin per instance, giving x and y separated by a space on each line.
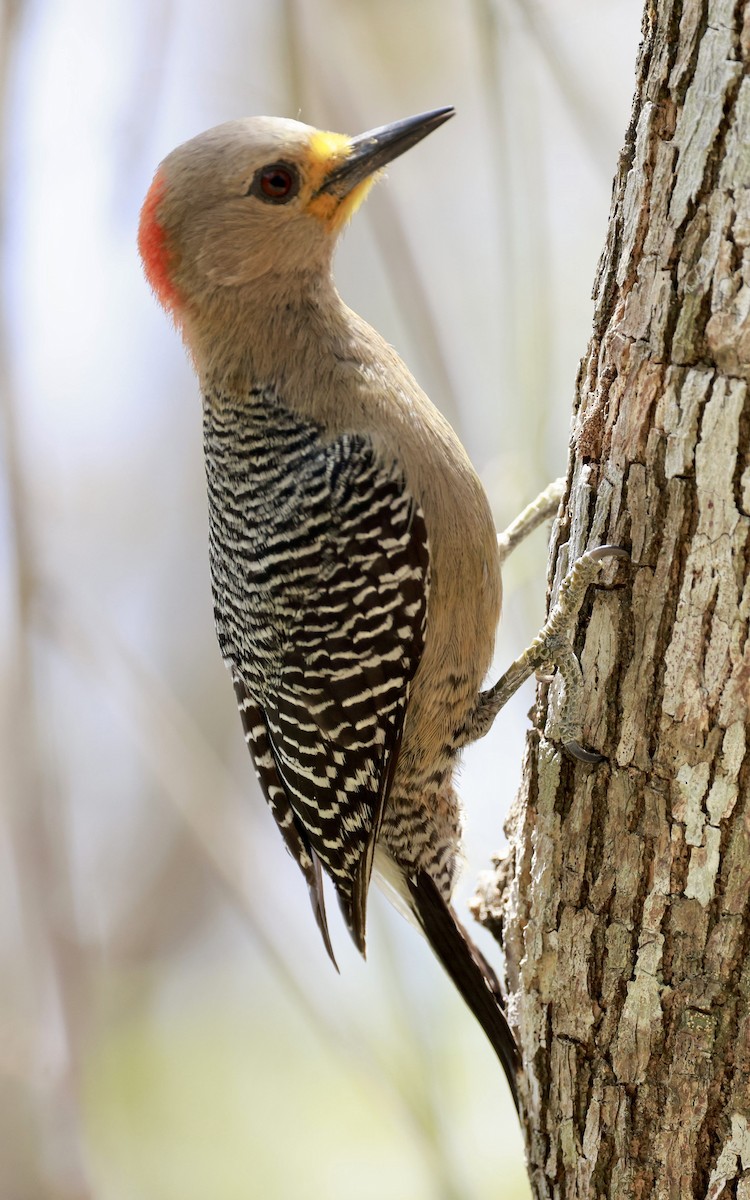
624 903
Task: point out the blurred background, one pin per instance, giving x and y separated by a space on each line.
169 1024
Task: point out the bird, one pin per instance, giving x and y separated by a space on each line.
353 553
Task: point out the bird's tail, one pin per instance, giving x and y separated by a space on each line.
469 970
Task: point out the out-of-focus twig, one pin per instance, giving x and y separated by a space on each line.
157 17
525 322
417 1077
489 39
293 43
407 283
584 108
50 985
188 770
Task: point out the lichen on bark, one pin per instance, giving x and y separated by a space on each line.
624 905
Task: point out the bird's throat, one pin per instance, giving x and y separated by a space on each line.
270 333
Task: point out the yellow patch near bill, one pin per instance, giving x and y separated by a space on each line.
327 151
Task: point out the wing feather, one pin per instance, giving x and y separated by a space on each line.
292 831
321 578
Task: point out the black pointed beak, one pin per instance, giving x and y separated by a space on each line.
374 149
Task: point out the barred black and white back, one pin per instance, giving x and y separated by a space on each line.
320 571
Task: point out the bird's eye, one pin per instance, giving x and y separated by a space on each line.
276 183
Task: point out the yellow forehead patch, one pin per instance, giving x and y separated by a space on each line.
329 150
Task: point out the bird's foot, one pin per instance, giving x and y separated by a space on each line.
542 509
552 648
561 655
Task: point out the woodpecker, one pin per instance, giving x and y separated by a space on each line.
354 559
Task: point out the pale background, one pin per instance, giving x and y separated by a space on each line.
169 1024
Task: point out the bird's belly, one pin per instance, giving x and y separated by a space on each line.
422 826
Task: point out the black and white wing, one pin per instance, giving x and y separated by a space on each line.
292 830
320 570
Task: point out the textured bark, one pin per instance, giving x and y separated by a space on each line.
624 903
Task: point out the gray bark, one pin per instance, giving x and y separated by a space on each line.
624 903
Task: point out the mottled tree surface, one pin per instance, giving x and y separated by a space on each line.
624 904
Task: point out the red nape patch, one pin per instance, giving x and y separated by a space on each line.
152 244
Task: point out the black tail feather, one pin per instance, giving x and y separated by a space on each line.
315 885
469 970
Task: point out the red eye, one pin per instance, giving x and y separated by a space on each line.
277 183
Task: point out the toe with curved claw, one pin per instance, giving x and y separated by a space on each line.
551 647
581 754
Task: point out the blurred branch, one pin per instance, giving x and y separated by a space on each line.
417 1083
525 325
143 109
412 298
292 34
585 109
489 42
408 287
188 770
20 568
54 975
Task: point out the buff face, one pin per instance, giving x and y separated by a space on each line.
257 197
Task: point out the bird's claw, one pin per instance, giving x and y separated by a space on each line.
572 590
607 552
581 754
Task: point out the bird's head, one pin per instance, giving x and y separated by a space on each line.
256 200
